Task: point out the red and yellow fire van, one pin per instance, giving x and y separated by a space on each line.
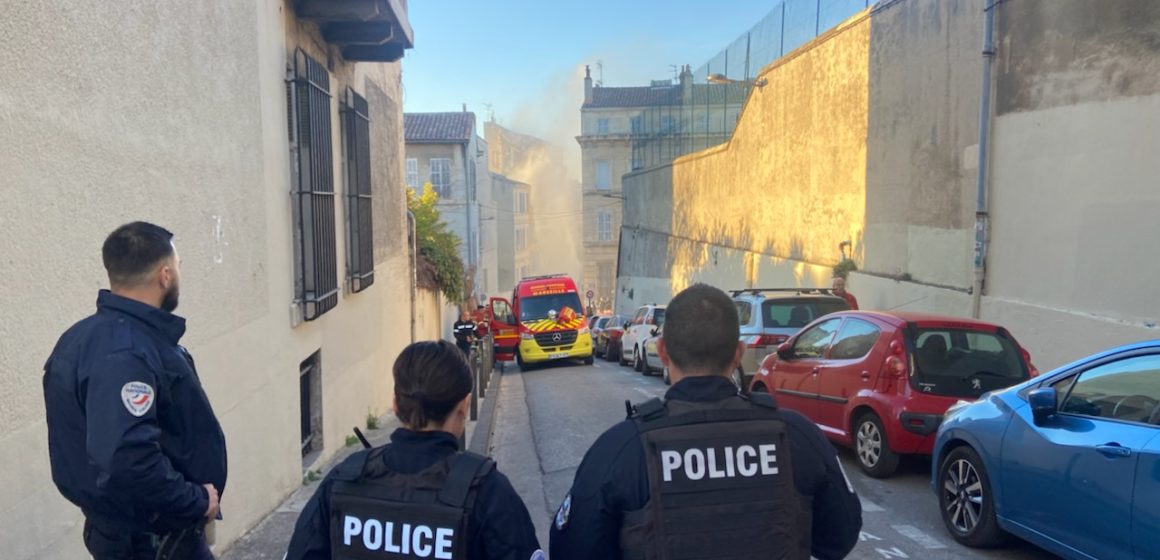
544 321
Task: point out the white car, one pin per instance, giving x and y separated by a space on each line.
636 332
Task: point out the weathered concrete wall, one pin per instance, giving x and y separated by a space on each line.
428 323
176 113
1074 188
925 72
792 181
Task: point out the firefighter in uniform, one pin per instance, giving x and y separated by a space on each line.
132 438
465 332
707 472
419 497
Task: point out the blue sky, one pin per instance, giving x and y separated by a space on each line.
526 57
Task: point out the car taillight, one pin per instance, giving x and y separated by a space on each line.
1027 360
763 340
895 366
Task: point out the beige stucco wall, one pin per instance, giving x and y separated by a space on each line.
147 116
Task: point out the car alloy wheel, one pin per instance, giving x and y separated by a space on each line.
964 496
869 444
872 448
965 500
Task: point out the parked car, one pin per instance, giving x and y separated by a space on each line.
1069 461
881 381
607 338
651 360
769 316
636 331
595 324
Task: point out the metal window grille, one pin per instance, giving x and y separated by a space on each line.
360 269
314 188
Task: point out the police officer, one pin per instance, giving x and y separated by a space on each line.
419 497
464 331
132 438
707 473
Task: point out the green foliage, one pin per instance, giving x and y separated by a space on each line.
351 440
372 422
437 246
844 268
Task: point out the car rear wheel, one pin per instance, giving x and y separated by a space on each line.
591 359
637 362
874 454
620 356
966 502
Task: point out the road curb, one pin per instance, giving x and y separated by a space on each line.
485 426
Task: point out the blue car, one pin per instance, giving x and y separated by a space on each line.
1069 461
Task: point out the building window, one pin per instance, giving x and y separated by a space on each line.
522 203
521 239
360 260
601 126
668 125
413 173
637 125
604 278
441 176
603 175
604 226
637 163
313 180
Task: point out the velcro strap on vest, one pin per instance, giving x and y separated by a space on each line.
466 470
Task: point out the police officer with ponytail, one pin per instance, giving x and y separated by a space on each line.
419 496
707 472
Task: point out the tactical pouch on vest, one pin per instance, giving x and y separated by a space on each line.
720 484
381 514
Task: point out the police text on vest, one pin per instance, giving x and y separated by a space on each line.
399 538
744 460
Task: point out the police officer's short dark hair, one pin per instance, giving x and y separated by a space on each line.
431 377
133 249
701 330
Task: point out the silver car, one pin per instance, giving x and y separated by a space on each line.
769 316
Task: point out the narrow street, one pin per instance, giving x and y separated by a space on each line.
547 419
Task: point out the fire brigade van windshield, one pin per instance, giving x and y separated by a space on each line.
550 320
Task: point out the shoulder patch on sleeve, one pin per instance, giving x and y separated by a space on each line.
563 513
138 397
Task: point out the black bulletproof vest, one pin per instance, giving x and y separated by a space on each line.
378 514
720 484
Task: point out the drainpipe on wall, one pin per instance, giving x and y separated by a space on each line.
413 243
981 215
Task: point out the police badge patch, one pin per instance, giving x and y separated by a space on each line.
563 513
138 397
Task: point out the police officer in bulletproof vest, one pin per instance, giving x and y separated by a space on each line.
132 438
707 472
419 497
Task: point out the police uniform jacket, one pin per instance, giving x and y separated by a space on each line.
613 479
499 528
131 435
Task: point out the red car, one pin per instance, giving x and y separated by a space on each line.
880 382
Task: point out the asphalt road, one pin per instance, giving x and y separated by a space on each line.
547 419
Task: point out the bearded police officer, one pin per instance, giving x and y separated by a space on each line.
419 497
707 473
132 438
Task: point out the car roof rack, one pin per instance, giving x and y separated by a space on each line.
822 291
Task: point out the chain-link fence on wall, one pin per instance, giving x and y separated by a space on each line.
702 112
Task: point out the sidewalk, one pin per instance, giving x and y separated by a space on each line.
270 537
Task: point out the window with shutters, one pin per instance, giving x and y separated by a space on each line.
413 173
360 259
441 176
312 154
604 226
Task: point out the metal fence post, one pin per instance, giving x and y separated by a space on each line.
474 384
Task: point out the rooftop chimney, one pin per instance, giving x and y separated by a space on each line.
464 107
587 85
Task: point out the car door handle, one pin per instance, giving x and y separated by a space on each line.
865 375
816 370
1114 450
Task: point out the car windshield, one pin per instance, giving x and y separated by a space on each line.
659 317
537 307
964 363
797 313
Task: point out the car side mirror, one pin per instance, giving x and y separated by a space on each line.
1044 404
627 324
785 351
654 331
